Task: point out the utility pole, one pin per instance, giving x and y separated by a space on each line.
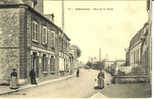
63 16
99 54
100 58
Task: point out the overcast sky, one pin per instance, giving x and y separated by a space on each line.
111 30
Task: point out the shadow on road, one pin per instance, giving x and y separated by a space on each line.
97 88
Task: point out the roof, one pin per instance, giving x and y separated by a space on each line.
108 61
18 4
137 36
67 37
120 61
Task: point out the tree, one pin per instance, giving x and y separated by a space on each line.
99 65
77 50
89 65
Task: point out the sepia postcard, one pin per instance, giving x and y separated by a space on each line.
75 49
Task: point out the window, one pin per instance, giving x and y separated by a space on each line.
66 44
53 39
52 64
56 41
35 31
44 63
44 35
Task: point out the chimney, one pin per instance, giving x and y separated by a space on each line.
52 17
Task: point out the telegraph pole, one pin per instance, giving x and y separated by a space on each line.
99 54
100 58
63 16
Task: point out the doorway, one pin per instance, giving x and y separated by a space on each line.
35 64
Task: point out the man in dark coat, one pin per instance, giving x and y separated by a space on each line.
78 72
33 77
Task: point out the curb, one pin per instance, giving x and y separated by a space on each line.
33 86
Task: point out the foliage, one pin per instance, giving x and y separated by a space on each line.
96 65
89 64
78 50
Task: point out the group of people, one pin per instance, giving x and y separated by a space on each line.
14 80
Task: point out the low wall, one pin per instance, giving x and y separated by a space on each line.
130 79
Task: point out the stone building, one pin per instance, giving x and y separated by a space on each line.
29 40
147 42
127 59
140 48
135 48
64 56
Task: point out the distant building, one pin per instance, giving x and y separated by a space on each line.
108 64
119 62
74 53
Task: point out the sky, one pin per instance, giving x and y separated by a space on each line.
110 27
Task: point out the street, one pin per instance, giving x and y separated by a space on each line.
73 88
82 87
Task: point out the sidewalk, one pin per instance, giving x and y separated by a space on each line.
7 90
134 90
138 90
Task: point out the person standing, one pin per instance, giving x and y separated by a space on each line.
78 72
101 79
13 81
33 77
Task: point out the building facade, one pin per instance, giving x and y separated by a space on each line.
120 62
65 58
29 40
147 44
127 62
140 48
135 48
109 64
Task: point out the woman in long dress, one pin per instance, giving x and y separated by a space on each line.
101 79
13 82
